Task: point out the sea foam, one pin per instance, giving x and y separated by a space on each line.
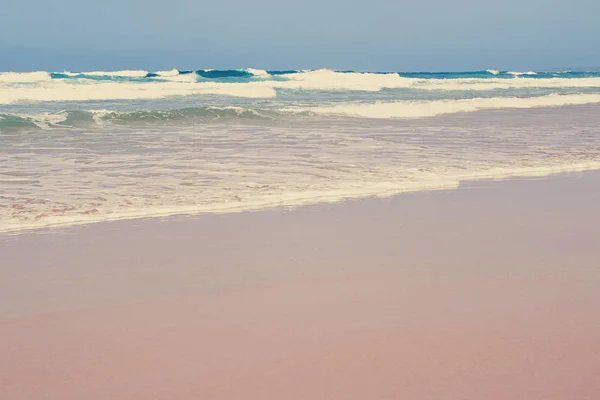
419 109
24 77
60 91
126 73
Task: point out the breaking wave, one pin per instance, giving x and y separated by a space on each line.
191 115
24 77
421 109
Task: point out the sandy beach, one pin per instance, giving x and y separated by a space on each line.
489 291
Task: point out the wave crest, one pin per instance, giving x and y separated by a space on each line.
24 77
124 73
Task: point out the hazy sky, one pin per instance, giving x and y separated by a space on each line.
277 34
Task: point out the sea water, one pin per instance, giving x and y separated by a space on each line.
82 147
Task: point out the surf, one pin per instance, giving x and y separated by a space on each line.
97 118
423 109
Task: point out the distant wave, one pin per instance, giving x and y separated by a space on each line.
138 75
250 73
254 83
512 73
171 72
173 75
530 73
131 74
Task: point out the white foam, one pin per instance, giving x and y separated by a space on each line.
522 73
69 73
493 71
175 76
59 90
325 79
419 109
291 199
331 80
475 84
172 72
24 77
258 72
124 73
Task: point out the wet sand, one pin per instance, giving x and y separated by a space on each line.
490 291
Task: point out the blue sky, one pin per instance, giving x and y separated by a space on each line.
369 35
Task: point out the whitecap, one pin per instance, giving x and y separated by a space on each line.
24 77
124 73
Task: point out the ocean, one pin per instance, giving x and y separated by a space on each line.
83 147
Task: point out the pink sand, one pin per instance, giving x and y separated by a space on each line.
490 292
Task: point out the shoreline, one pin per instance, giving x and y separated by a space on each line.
91 218
218 232
489 291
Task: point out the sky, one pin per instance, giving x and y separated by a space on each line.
374 35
